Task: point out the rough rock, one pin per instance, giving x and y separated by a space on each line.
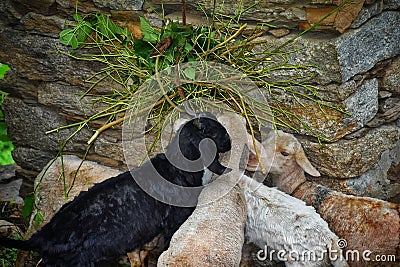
68 98
391 4
341 58
35 57
391 80
8 229
346 15
367 12
28 123
10 192
317 49
51 25
279 32
375 182
358 50
381 181
10 185
7 172
42 7
351 158
362 106
50 194
120 4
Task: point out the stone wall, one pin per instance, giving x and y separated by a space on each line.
356 53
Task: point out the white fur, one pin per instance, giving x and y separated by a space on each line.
284 223
276 219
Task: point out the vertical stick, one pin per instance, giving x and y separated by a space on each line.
183 12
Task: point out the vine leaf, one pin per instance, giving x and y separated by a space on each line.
28 206
67 37
3 69
150 34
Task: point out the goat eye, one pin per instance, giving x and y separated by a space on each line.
284 153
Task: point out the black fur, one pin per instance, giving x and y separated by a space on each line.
117 216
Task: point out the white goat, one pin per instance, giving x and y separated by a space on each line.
366 224
285 157
292 230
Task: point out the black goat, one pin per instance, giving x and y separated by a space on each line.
117 216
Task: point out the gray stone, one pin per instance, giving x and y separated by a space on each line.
109 149
10 192
367 12
283 13
391 79
375 182
336 93
9 229
339 59
363 105
360 49
27 125
312 49
392 4
67 98
384 94
120 4
50 25
388 103
32 159
7 172
35 58
351 158
42 7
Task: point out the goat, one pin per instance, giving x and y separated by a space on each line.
288 228
366 224
117 216
284 224
274 219
214 234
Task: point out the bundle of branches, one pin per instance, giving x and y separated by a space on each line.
130 61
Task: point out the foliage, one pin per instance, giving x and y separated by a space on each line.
8 256
6 145
129 62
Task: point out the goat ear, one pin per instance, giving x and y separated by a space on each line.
305 164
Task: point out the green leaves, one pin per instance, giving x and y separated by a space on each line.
150 34
67 37
3 69
109 29
28 205
190 73
78 35
102 27
5 143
